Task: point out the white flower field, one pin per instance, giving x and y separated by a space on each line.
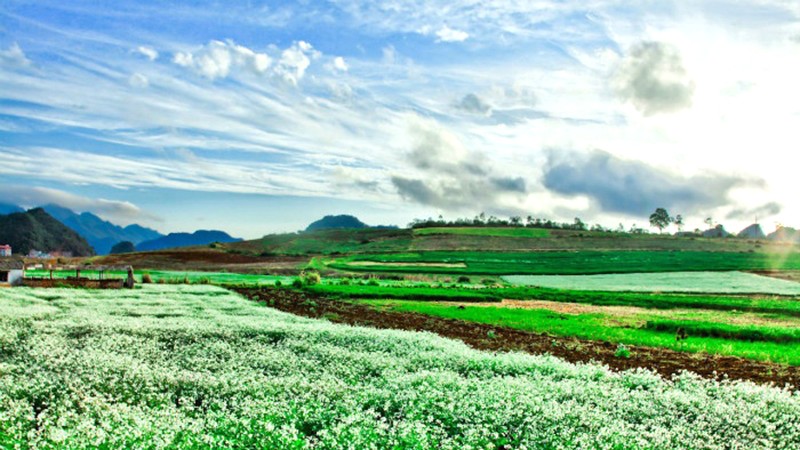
200 367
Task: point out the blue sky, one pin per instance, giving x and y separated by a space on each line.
257 117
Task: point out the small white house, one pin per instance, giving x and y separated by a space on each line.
12 271
5 250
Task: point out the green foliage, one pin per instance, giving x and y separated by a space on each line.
660 219
310 277
622 351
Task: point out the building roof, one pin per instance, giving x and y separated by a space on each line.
11 264
5 246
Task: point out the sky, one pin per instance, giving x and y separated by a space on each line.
260 117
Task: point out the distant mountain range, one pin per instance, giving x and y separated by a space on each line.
38 230
101 234
199 237
6 208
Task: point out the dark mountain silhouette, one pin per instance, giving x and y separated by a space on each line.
716 232
38 230
754 231
101 234
199 237
340 221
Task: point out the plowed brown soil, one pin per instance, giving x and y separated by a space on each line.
665 362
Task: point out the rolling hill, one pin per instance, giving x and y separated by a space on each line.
38 230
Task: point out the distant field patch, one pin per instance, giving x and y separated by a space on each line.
569 262
459 265
699 282
486 231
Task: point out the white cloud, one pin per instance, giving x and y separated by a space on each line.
340 64
148 52
216 59
295 60
14 57
138 80
447 34
29 197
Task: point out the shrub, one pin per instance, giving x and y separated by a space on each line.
297 283
310 278
622 351
146 278
278 283
464 279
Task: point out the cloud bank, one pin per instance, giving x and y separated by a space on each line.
118 211
636 188
452 178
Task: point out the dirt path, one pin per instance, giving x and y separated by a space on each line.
664 361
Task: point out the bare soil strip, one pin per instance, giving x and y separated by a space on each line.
788 275
665 362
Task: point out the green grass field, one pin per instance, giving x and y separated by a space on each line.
562 263
767 343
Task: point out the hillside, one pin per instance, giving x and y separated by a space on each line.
37 230
173 240
101 234
334 222
288 253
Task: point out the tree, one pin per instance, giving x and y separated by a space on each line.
660 219
123 247
679 222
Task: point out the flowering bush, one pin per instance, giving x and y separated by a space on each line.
197 366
